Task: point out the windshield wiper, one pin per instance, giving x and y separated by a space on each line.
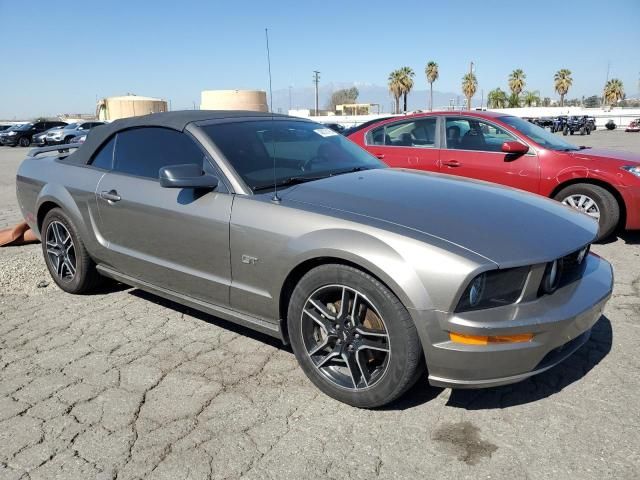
584 147
302 179
287 182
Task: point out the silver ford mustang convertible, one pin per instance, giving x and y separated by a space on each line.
371 274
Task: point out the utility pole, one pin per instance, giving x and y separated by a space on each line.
316 80
604 100
470 73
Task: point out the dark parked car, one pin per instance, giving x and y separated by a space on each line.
544 122
67 134
370 273
6 132
21 135
5 127
559 123
578 124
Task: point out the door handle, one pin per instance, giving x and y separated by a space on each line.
452 163
380 155
110 196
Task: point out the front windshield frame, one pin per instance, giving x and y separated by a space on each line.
538 134
258 139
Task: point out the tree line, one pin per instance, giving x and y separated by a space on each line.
401 82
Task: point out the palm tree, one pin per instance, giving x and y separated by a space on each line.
516 84
531 99
407 75
469 87
514 100
431 71
562 81
497 99
613 91
396 88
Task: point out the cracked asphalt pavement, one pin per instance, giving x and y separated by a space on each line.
122 384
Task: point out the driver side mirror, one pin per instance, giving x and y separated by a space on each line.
514 148
188 175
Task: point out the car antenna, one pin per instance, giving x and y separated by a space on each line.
275 198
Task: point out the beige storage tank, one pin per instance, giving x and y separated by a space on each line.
255 100
113 108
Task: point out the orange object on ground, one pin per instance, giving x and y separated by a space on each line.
18 235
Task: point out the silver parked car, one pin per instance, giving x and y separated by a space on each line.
70 132
284 226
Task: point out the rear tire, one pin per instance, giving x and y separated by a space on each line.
396 363
67 259
605 203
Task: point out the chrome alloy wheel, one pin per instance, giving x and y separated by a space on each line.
584 204
61 251
345 337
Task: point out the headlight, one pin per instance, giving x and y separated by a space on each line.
493 289
633 170
11 133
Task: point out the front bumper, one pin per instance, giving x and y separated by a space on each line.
54 141
9 141
560 322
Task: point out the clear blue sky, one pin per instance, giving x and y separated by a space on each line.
60 56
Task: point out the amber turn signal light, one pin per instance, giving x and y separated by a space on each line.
488 339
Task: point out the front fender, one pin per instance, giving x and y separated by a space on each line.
370 253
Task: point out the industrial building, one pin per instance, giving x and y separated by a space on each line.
255 100
113 108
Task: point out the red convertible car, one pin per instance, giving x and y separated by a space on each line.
503 149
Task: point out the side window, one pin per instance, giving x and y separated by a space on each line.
376 137
144 151
103 158
475 134
416 133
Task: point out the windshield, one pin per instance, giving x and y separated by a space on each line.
539 135
302 151
24 126
71 126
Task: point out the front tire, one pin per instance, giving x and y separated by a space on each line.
66 257
353 337
596 202
24 142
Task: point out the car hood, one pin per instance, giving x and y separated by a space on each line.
627 158
504 225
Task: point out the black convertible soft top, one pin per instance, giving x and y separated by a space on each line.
177 120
